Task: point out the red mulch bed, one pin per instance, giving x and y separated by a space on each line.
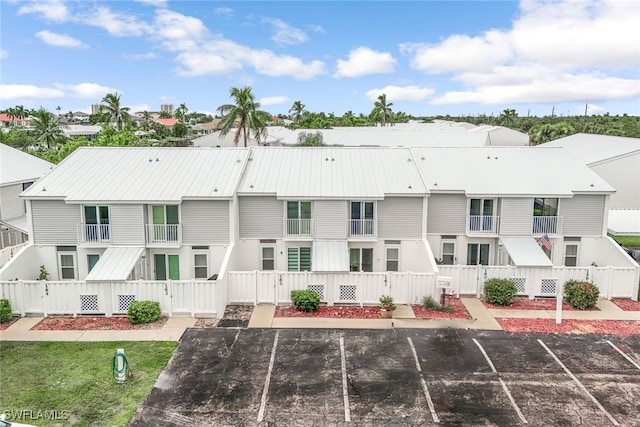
627 304
571 326
335 312
535 304
459 313
83 323
5 325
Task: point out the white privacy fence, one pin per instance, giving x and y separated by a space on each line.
184 297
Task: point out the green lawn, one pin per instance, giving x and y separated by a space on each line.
77 378
627 240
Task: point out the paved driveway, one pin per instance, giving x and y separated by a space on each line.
312 377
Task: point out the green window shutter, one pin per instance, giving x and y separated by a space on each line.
174 267
292 259
172 214
305 259
161 266
158 215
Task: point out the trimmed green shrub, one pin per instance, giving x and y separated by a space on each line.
500 291
581 295
430 304
305 300
143 312
5 310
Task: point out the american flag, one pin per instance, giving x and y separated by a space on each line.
544 241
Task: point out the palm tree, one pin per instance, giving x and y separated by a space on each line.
46 128
146 117
382 110
181 112
297 111
246 111
114 113
58 108
508 117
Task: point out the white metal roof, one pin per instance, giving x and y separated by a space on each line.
339 173
18 223
216 140
18 166
624 221
590 148
76 130
504 171
115 264
330 256
525 252
112 174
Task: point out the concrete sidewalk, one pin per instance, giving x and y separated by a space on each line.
263 316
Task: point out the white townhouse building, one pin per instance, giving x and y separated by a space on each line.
199 228
18 170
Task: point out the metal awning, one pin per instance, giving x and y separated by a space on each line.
115 264
525 252
19 223
330 256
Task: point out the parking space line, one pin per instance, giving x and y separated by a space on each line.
427 396
265 391
577 381
633 362
502 383
345 390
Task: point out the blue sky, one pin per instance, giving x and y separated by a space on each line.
428 57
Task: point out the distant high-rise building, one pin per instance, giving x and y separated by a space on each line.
95 108
167 108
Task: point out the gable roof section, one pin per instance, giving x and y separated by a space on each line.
590 148
18 166
130 174
167 122
506 171
338 173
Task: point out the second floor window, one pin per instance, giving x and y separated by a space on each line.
165 222
481 212
362 219
96 219
545 216
298 218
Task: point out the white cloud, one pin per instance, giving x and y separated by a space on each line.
363 61
316 29
155 3
85 90
60 40
401 93
3 54
178 30
52 10
139 56
270 64
134 108
272 100
223 11
284 33
16 91
116 24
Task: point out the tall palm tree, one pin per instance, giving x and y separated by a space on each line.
181 112
146 117
508 117
297 111
246 111
382 109
114 113
46 128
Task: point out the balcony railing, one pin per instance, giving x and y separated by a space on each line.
483 224
298 227
547 225
363 227
94 233
164 233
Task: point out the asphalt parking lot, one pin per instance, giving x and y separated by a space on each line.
395 377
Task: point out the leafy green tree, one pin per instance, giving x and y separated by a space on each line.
297 111
46 129
508 117
246 114
180 130
310 139
382 110
165 115
114 113
181 113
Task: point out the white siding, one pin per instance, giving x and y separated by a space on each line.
205 222
516 216
11 205
127 224
261 217
330 219
582 215
55 222
400 218
446 214
623 174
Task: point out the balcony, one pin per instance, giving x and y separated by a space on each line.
298 227
362 228
164 234
94 233
547 225
483 224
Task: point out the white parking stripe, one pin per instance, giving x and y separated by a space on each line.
427 396
577 381
345 390
265 391
502 383
633 362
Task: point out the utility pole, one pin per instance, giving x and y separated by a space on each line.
553 111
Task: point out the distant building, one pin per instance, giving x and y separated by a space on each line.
95 108
167 108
